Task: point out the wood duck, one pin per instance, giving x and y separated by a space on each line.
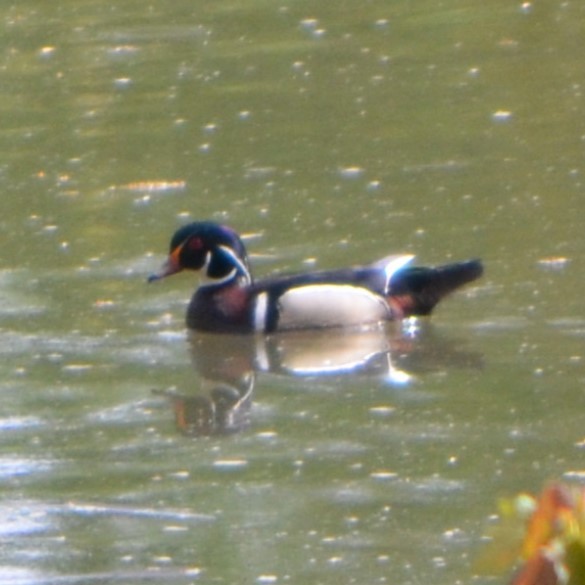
231 301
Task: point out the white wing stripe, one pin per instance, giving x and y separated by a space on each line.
394 266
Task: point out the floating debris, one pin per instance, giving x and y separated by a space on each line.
152 186
230 463
122 82
382 410
267 579
351 172
502 116
383 475
122 50
77 367
309 23
103 303
553 262
46 52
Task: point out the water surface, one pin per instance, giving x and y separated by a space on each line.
328 134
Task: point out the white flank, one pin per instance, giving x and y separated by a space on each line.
260 312
330 305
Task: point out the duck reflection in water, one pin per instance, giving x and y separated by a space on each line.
227 366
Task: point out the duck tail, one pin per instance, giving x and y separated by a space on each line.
416 291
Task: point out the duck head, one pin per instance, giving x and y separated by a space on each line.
214 249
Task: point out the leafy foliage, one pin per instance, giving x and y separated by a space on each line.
552 546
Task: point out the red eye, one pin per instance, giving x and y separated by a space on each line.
195 244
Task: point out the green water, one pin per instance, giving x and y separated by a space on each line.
330 134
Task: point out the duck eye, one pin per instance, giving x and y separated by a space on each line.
195 244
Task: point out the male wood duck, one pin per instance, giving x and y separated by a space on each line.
231 301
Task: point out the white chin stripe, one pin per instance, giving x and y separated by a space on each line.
237 262
260 311
219 281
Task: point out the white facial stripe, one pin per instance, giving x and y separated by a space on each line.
206 263
260 312
239 264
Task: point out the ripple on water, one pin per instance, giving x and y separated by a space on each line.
427 489
16 342
15 299
12 423
570 325
504 323
20 518
78 352
16 466
113 511
19 576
